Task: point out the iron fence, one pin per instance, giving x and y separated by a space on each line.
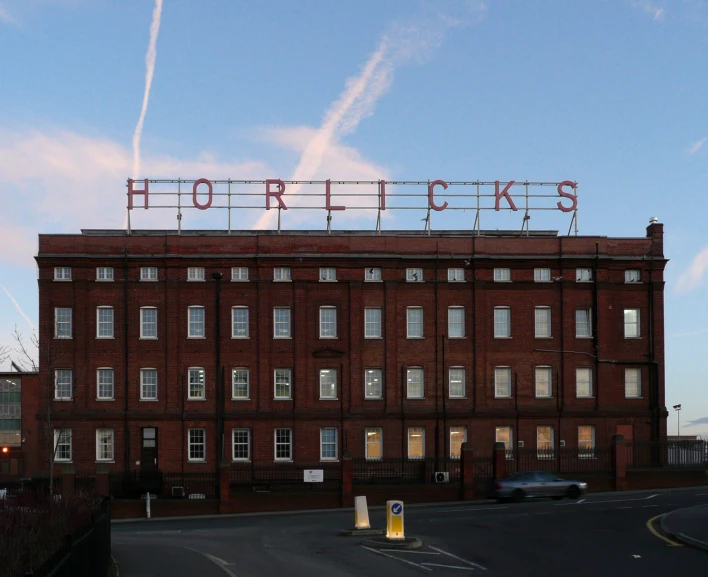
683 454
483 476
563 460
85 481
165 484
285 477
403 471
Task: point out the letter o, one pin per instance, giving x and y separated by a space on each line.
194 194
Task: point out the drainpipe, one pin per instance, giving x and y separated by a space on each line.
126 429
217 276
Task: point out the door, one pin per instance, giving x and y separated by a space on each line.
149 475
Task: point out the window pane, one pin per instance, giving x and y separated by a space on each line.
239 318
197 443
148 383
372 323
372 274
415 384
586 438
502 322
632 383
104 445
631 323
543 322
456 322
583 326
458 435
373 383
455 275
543 381
62 383
281 324
416 442
544 441
240 383
62 320
502 382
148 323
583 381
239 273
328 443
282 383
196 321
504 435
241 444
542 274
105 383
414 317
414 274
328 384
283 449
328 322
456 384
373 443
196 384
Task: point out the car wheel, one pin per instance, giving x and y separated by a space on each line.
518 495
573 492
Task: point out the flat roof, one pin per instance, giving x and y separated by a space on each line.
373 233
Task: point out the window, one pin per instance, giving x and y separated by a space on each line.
281 274
458 435
455 275
544 388
104 384
632 275
239 273
456 322
583 323
416 443
414 380
148 384
104 444
372 274
197 445
148 273
542 275
632 383
456 383
583 274
62 384
62 273
239 323
241 441
586 441
414 322
62 323
583 382
104 323
502 275
196 322
283 444
544 442
281 323
282 383
372 323
328 444
543 322
328 274
104 273
373 384
148 323
506 435
196 383
374 443
414 275
195 273
328 323
631 324
62 445
502 322
328 384
10 412
239 384
502 382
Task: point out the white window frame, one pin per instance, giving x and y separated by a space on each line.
144 372
62 273
587 452
146 274
59 436
509 443
455 275
546 373
108 326
411 386
502 275
240 372
462 394
412 432
199 444
328 274
412 324
57 396
373 274
326 393
282 274
545 453
193 371
542 275
632 329
237 274
195 324
373 326
196 274
105 274
239 431
282 443
284 374
457 430
369 432
234 332
328 327
580 380
502 327
633 383
109 456
329 443
369 375
145 323
581 323
104 371
414 275
459 334
632 276
499 372
63 334
583 274
278 324
539 313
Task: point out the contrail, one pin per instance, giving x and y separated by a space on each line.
150 69
17 306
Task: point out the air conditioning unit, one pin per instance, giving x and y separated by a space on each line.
178 491
562 443
520 444
442 477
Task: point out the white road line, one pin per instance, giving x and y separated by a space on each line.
580 501
606 501
396 558
450 566
417 552
471 509
218 562
458 558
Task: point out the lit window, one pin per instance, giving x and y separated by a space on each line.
62 323
632 275
195 273
502 322
239 384
328 444
104 273
328 384
239 273
283 444
543 322
241 444
456 383
281 323
62 273
632 383
414 322
328 274
104 444
543 383
455 275
282 383
197 386
372 274
583 382
374 443
104 384
104 323
372 323
544 442
414 275
502 275
631 324
415 385
196 322
281 274
328 323
148 384
197 445
583 323
62 384
458 435
62 445
583 274
502 382
148 323
542 275
148 273
506 435
239 322
373 384
456 322
586 441
416 443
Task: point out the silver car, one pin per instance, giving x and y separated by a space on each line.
519 486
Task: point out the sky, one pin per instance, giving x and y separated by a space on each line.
608 93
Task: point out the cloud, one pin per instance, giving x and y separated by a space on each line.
6 17
693 276
696 146
695 422
19 309
655 11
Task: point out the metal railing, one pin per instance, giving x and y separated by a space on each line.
285 477
683 454
402 471
562 460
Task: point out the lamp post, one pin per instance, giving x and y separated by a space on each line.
677 408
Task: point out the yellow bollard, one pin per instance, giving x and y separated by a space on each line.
394 520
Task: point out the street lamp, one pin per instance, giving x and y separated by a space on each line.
677 408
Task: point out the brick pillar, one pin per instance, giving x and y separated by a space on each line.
224 485
102 486
347 496
67 479
499 460
619 462
466 472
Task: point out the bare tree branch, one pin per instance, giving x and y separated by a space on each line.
26 353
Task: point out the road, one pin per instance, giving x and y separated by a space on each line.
603 534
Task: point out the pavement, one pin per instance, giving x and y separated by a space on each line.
613 535
688 525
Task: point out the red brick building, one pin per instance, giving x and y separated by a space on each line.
19 437
171 351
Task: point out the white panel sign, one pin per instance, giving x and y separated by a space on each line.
314 475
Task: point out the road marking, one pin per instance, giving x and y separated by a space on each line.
394 557
647 506
218 562
472 509
458 558
605 501
449 566
657 534
416 552
580 501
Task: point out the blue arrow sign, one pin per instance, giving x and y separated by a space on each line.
396 508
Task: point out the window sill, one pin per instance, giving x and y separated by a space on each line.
196 280
105 462
104 338
456 281
373 398
328 399
240 460
503 281
544 397
196 460
104 280
282 338
415 398
63 400
328 280
632 338
329 460
328 338
147 338
543 281
148 400
62 280
415 338
583 337
239 280
282 280
196 338
415 281
547 338
104 399
502 398
373 338
240 398
202 399
283 460
502 338
148 280
457 398
240 338
373 280
282 398
584 397
456 338
63 338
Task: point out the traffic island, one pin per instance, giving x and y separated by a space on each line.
361 532
394 537
386 543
